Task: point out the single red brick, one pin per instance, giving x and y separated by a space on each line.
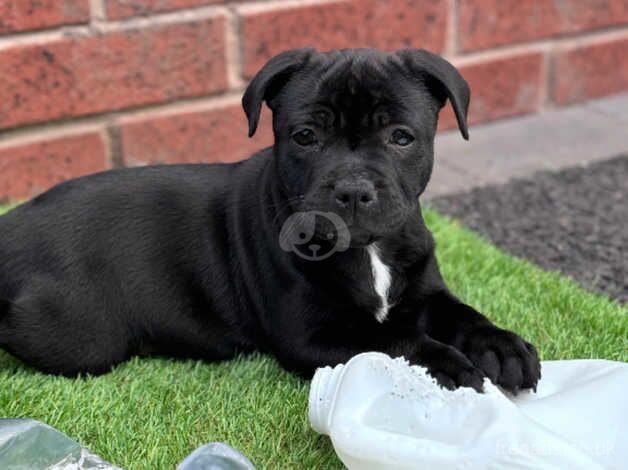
214 135
116 9
385 24
25 15
590 71
489 23
30 168
88 74
500 88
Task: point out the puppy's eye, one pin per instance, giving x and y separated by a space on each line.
305 137
401 138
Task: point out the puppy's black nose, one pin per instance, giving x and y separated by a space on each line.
354 194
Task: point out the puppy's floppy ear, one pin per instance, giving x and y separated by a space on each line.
269 81
421 62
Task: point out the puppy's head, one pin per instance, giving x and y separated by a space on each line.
354 130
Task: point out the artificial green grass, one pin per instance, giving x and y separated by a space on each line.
151 413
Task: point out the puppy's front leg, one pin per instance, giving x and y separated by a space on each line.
505 358
314 336
304 350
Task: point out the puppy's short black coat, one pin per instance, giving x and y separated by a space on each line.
186 261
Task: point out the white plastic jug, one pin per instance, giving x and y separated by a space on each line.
382 413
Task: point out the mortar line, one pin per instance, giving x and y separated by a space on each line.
233 49
47 129
564 41
547 78
116 154
451 40
97 11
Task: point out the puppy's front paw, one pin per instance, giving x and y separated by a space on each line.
504 357
450 367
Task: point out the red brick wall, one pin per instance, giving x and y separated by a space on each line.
87 85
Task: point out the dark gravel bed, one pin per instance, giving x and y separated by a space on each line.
574 221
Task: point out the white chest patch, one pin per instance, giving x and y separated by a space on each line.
381 280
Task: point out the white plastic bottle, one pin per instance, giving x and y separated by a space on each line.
382 413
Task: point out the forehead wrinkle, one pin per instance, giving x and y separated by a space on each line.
351 88
376 87
334 76
368 73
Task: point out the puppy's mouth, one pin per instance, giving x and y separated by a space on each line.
373 225
361 237
357 236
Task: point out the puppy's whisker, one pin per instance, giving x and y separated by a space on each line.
286 202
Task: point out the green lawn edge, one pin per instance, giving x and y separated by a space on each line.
151 413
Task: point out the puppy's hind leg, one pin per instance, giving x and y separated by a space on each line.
5 305
4 312
45 331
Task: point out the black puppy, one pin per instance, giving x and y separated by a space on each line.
313 250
